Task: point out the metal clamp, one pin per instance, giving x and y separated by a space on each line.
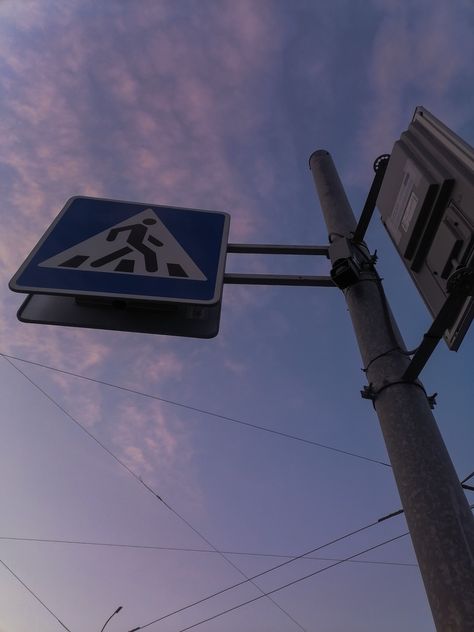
368 392
348 262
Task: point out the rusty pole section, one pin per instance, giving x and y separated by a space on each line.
439 518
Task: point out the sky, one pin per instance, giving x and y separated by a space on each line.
213 104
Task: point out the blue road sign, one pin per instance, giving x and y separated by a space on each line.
111 249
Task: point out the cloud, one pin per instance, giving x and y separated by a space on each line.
237 368
86 113
414 62
25 16
154 443
167 118
155 366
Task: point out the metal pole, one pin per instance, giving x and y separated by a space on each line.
438 515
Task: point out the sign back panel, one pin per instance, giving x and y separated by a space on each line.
426 205
179 319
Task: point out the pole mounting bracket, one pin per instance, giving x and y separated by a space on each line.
380 166
369 392
460 285
349 259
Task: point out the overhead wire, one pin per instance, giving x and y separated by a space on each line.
74 420
34 595
177 514
224 557
276 567
139 479
181 549
203 411
271 592
214 549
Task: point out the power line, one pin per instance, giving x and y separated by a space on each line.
74 420
34 595
138 478
274 568
180 549
271 592
225 557
178 515
199 410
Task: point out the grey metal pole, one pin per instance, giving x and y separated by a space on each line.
437 512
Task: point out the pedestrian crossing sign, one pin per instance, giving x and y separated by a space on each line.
129 254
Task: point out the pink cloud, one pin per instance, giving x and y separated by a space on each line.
413 57
166 131
26 16
155 365
237 368
87 115
135 459
154 443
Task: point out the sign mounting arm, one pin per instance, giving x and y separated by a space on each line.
278 279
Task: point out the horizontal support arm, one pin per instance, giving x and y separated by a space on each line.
276 249
277 279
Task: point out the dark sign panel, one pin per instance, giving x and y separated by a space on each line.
427 206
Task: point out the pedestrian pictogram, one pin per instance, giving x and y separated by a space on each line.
139 245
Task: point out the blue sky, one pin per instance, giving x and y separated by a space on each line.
217 105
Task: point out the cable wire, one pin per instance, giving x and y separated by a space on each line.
273 568
34 595
74 420
247 579
180 549
226 558
138 478
198 410
271 592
